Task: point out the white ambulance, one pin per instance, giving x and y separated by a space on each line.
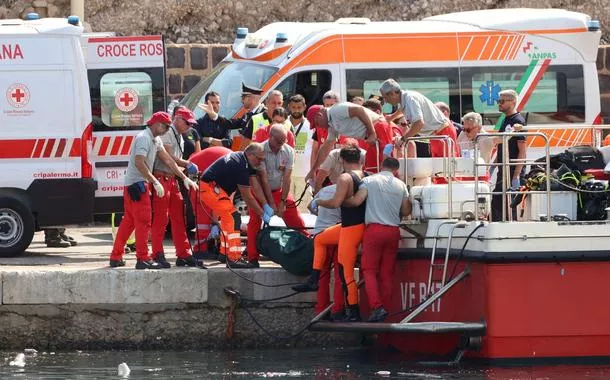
55 159
463 59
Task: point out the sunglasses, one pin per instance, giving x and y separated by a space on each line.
502 101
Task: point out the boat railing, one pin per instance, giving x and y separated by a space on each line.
505 165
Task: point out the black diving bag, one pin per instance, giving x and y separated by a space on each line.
288 248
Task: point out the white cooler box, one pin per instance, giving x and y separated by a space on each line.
430 201
562 202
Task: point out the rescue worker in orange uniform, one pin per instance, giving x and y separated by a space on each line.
206 231
171 204
347 235
235 171
136 195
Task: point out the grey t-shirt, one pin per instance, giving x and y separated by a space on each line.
385 196
333 166
340 124
275 165
416 106
144 145
175 140
326 216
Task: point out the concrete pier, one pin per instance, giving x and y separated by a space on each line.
63 298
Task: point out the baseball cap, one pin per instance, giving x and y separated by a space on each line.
160 117
186 114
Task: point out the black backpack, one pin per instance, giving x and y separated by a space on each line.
582 157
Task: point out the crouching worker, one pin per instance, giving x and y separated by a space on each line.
234 171
346 235
136 196
387 200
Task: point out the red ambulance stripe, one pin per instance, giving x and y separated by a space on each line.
49 148
104 146
60 148
116 146
16 148
75 151
124 39
126 145
38 148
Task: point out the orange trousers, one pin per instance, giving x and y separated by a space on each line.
348 239
222 207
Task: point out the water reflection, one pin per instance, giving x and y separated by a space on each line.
320 363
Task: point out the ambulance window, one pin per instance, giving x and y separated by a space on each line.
311 84
439 84
126 99
556 97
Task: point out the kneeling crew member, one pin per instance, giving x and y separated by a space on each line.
136 196
275 173
234 171
387 199
347 235
171 204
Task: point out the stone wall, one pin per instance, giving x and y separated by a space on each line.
205 21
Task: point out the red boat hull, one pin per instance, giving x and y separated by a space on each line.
532 309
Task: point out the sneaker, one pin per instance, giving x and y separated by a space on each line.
132 247
240 264
58 243
378 315
160 259
188 261
67 238
254 263
147 264
352 314
117 263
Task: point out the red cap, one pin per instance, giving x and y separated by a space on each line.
160 117
311 115
186 114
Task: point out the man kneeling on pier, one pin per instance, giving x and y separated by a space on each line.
387 200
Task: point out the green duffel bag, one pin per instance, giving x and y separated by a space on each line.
288 248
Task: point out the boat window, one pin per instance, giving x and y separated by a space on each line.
438 84
555 97
226 79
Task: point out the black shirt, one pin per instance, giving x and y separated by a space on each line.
218 129
190 137
230 171
513 143
353 216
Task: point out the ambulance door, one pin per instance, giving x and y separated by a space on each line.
312 84
127 85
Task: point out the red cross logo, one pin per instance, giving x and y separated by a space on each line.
18 95
126 99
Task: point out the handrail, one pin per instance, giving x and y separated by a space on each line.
506 167
448 163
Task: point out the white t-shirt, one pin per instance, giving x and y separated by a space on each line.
486 145
302 148
327 217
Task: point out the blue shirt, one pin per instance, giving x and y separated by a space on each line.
230 171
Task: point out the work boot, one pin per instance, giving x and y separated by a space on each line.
207 255
311 285
222 258
117 263
378 315
338 316
352 314
160 259
239 264
57 243
188 261
147 264
67 238
254 263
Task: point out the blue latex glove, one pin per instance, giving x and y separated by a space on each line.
268 210
192 168
267 218
387 150
515 184
314 205
214 232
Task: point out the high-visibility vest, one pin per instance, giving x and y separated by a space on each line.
259 121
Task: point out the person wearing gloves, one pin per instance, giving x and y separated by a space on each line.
137 193
275 178
171 204
237 170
